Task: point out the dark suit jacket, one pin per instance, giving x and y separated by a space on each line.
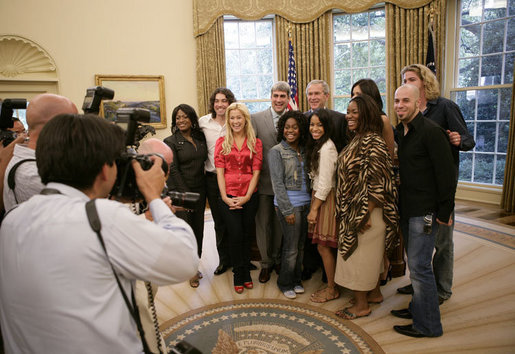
339 126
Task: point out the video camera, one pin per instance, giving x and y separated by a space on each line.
93 98
125 185
6 118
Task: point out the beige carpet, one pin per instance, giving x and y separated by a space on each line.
478 318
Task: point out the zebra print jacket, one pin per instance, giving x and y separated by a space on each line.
364 173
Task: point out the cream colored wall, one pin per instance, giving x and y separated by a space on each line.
122 37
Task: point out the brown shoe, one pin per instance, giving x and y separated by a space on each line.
264 275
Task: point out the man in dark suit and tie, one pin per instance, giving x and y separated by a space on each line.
268 228
317 92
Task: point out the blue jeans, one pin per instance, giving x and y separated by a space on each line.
240 228
443 260
294 237
419 248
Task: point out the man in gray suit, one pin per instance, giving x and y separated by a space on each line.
268 229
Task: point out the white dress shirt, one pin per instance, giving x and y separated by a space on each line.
212 130
325 179
57 291
26 178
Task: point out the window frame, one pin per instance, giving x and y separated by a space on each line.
269 18
333 43
467 190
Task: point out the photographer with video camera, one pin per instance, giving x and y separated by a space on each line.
67 276
21 180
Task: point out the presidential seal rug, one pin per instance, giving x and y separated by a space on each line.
267 326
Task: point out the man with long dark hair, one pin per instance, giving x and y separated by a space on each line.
213 127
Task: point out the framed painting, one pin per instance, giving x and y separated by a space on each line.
135 91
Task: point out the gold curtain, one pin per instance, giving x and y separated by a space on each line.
508 189
311 48
407 38
206 12
210 64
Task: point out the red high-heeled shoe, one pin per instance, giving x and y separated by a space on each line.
248 284
238 288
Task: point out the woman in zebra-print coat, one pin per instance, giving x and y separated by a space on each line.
366 207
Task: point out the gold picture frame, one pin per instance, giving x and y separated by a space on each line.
138 91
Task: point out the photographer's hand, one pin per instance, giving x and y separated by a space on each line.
6 153
150 182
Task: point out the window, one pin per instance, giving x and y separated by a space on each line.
21 115
359 53
482 88
250 64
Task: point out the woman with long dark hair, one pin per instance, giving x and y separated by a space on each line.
321 159
366 207
189 149
369 87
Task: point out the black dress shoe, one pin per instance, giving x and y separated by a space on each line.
408 330
221 269
406 290
404 313
264 275
277 268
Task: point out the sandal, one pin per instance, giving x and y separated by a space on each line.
325 295
347 315
195 281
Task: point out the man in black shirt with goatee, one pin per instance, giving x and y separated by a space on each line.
428 184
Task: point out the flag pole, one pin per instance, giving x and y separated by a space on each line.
431 55
293 103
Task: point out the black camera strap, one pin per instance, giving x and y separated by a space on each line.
94 222
11 177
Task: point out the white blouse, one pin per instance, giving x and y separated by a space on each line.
325 178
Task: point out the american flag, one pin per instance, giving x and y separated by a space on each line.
293 104
430 56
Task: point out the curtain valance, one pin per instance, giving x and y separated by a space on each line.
206 12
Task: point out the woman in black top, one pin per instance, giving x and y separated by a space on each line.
187 169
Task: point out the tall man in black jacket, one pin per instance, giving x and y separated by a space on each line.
428 184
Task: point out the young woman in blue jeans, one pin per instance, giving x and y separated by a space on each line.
292 198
